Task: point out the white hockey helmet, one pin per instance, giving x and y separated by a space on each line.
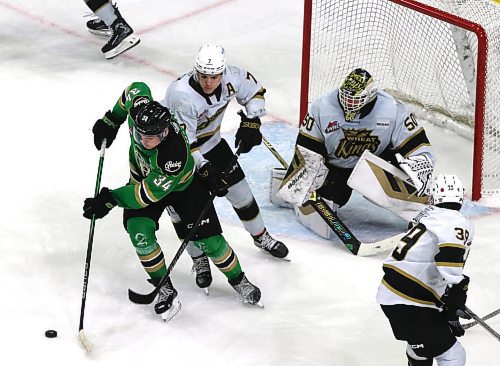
357 90
210 60
447 188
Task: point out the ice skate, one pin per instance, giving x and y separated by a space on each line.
97 26
167 305
250 294
122 39
201 267
270 245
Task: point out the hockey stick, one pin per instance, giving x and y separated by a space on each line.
149 297
482 323
81 335
484 318
337 225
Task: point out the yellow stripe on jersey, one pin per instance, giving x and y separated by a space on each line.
450 255
409 287
413 143
138 197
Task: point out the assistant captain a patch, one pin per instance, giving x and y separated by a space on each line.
332 126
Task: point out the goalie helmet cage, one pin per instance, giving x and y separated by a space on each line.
441 56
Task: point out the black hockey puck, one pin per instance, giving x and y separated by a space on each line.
50 333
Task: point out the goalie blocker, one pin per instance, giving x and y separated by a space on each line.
378 181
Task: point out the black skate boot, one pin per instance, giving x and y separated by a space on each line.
97 26
248 291
201 267
167 304
122 39
270 245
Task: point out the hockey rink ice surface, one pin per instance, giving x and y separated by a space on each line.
320 307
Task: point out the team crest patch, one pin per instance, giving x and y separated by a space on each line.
355 142
172 166
332 126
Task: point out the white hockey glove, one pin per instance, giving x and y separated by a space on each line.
419 168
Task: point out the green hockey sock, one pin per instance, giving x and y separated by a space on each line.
222 255
142 233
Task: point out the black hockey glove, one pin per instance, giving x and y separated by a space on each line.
454 300
327 190
248 134
215 180
106 128
99 205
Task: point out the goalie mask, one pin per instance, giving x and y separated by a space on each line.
447 188
152 119
357 90
211 60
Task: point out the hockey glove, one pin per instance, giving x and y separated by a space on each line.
327 190
248 134
99 205
215 180
419 168
454 300
106 128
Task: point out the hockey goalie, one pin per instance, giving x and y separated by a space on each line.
357 137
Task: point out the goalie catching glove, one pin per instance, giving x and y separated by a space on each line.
419 168
248 134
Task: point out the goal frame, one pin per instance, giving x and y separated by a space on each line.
481 66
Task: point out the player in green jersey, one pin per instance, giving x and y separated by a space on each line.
162 177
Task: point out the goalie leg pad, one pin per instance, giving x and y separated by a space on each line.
386 186
277 175
308 217
306 173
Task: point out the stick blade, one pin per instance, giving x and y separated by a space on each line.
369 249
84 341
142 299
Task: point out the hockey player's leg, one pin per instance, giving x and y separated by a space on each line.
201 266
455 356
142 234
122 37
415 360
226 260
246 208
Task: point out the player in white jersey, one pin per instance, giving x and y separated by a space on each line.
341 125
423 291
199 99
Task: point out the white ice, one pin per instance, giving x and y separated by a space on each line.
320 308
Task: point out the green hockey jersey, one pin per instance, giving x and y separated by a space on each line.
156 172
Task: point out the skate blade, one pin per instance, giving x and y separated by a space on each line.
284 259
103 33
207 292
125 45
170 313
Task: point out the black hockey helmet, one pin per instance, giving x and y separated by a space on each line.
356 91
152 119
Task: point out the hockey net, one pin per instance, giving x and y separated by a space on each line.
441 56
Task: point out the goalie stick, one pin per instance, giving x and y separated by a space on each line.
482 323
145 299
337 225
486 317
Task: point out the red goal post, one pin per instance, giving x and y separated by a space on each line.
441 56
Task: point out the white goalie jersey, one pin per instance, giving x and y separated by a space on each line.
429 257
202 114
388 124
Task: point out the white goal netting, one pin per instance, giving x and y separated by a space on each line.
420 59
